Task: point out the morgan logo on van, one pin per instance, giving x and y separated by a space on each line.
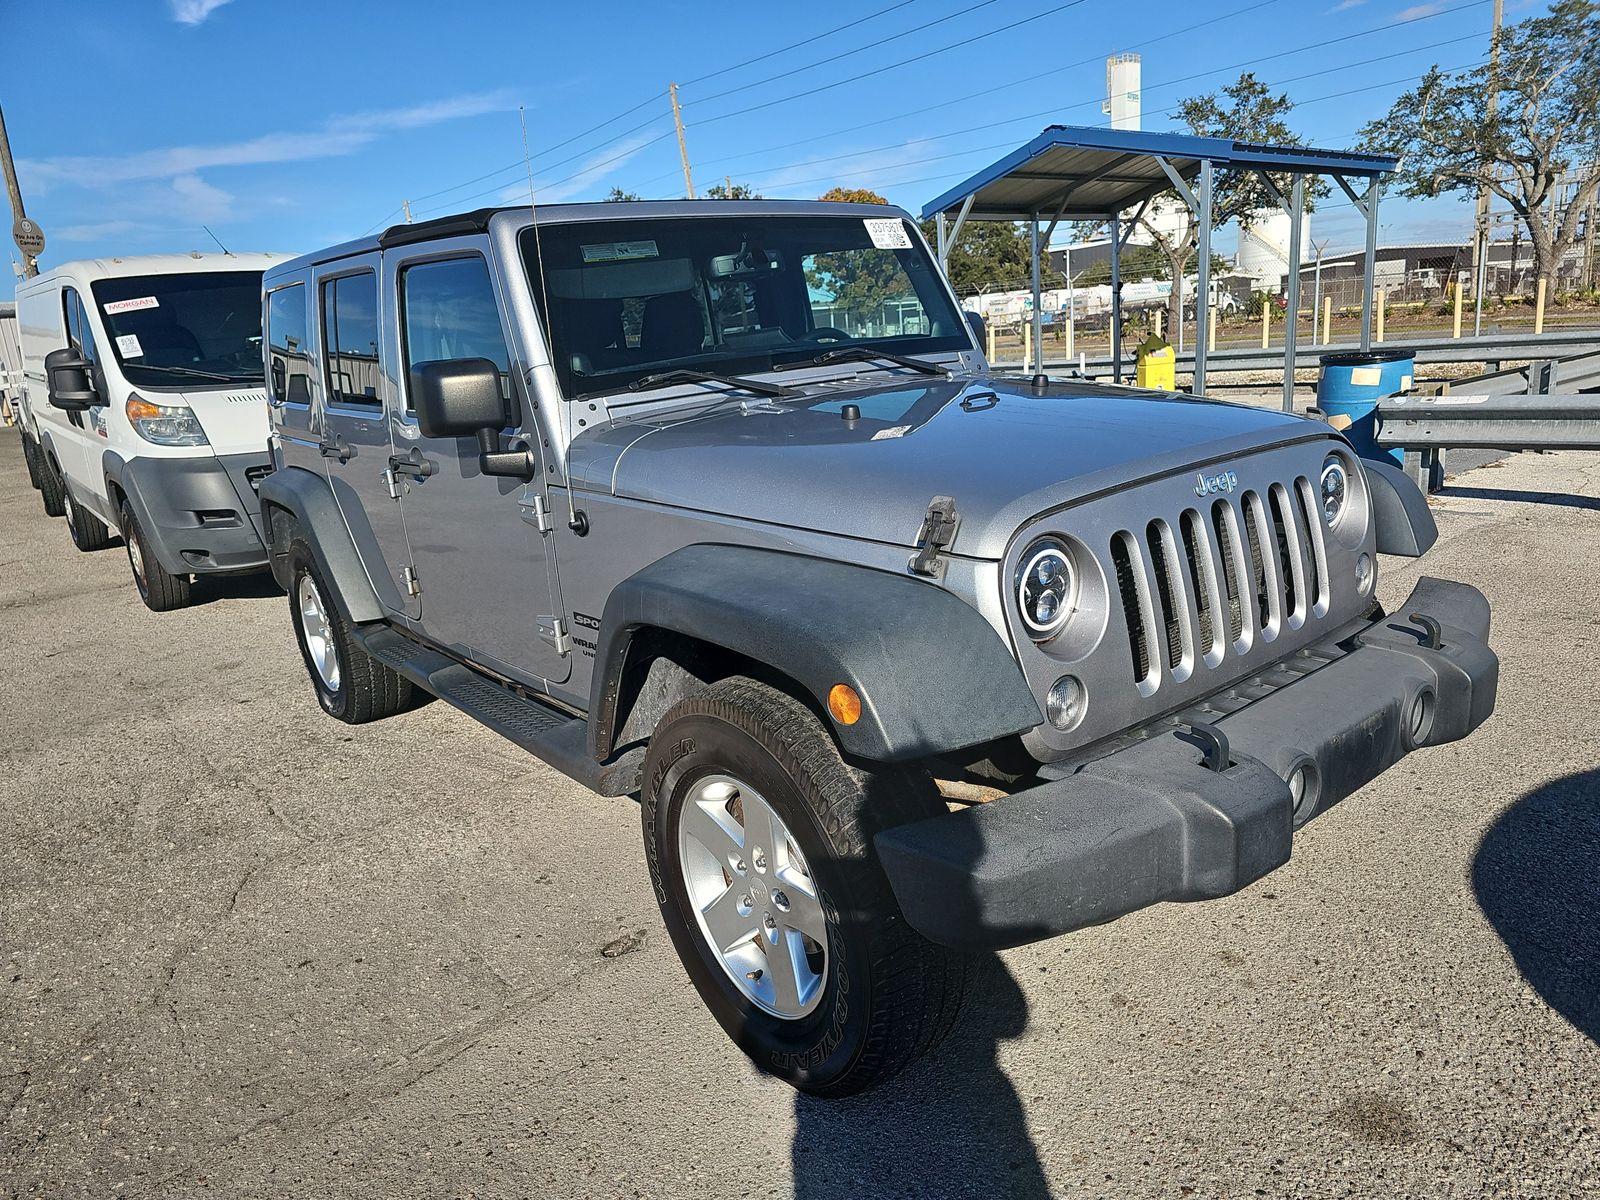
1210 485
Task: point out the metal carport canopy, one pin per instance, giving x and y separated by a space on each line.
1076 172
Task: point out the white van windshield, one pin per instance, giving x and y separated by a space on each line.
185 330
627 299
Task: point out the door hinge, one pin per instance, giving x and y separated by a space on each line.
554 631
537 513
938 532
409 574
390 482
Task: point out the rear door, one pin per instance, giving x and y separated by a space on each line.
485 568
353 434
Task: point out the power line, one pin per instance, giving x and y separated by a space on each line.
796 45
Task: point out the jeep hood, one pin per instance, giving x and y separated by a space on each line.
1004 451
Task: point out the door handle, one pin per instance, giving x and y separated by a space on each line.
334 446
412 463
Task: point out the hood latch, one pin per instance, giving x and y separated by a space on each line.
938 532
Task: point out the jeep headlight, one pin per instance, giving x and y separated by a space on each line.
165 424
1044 589
1334 490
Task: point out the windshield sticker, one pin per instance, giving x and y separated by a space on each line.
121 306
128 346
887 233
603 252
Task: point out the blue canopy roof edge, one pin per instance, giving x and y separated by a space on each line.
1183 153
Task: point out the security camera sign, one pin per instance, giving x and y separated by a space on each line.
28 237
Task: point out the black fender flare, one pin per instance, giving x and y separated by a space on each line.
308 498
115 469
1400 512
932 674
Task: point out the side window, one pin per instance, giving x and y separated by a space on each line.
289 372
350 339
80 334
448 310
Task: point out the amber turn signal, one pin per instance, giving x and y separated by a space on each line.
844 704
140 409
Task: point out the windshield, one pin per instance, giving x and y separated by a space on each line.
735 295
184 330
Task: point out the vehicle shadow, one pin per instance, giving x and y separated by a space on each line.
258 585
1536 875
1557 499
951 1125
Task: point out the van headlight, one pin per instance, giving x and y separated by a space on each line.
1334 490
165 424
1044 588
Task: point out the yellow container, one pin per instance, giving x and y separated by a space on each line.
1157 365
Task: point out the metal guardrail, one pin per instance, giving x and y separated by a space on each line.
1491 348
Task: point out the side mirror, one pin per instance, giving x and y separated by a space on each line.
461 397
980 329
69 384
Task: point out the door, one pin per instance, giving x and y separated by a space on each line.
77 446
483 561
353 433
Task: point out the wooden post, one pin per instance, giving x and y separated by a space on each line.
1327 319
1266 323
1456 327
1538 307
1377 314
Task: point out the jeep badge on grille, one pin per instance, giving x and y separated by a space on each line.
1210 485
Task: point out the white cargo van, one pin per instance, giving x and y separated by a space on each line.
145 394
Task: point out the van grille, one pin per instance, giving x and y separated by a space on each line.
1207 586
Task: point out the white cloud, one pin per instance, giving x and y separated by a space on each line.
1346 6
337 136
1418 11
596 167
877 170
199 201
94 231
192 12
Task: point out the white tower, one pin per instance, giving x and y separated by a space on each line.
1122 91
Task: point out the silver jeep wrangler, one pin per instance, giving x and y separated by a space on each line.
719 503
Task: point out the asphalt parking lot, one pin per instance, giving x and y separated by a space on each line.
247 950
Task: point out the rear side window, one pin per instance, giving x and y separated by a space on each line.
289 371
80 334
350 339
448 311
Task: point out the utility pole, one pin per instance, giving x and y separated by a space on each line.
683 148
30 265
406 206
1480 245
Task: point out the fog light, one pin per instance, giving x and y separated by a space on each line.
1305 790
1421 716
1364 572
1066 703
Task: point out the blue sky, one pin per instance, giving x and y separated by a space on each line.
289 125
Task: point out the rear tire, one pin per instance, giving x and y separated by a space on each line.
88 531
52 487
30 456
797 947
349 683
160 590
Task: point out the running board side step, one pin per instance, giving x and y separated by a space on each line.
547 733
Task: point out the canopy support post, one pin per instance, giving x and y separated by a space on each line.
1369 263
1116 296
1202 282
942 246
1297 208
1038 315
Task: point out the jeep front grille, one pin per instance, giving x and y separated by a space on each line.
1205 587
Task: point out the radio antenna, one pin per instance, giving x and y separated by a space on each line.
218 241
544 293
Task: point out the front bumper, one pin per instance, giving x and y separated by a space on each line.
1153 822
200 514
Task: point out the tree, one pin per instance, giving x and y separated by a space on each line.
732 191
1515 125
846 195
987 255
617 194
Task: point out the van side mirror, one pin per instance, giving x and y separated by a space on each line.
461 397
69 382
980 329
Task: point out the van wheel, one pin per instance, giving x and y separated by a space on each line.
160 591
31 456
350 684
52 487
87 530
759 840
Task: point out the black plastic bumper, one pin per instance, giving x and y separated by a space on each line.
1153 822
199 514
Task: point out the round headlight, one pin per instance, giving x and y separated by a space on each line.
1334 490
1044 589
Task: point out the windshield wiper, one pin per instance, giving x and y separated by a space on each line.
865 354
688 375
194 371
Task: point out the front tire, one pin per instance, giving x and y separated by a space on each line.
349 683
160 590
88 531
759 840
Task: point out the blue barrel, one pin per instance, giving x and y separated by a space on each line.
1351 385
